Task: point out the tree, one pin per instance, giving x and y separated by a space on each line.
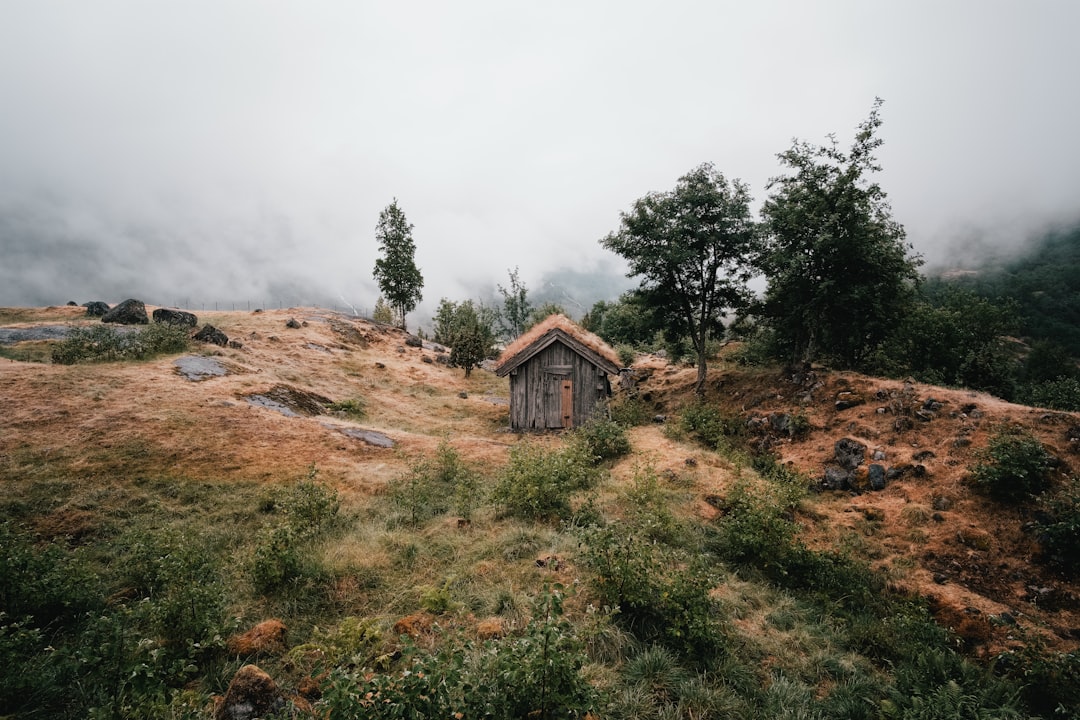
692 249
399 279
467 328
514 318
838 269
382 312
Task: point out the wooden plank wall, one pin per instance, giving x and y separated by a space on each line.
535 388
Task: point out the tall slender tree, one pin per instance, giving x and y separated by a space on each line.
399 279
692 249
840 274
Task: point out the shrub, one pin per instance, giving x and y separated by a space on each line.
1060 394
1013 466
537 483
629 411
101 343
662 594
433 485
1059 529
536 674
711 427
603 438
354 408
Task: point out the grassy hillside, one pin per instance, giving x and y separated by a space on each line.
687 568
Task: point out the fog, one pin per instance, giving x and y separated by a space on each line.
237 154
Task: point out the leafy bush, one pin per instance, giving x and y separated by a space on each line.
629 411
433 486
603 438
354 408
101 343
536 674
662 594
711 427
1060 394
1059 529
1013 466
537 483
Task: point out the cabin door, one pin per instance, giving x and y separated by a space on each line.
558 396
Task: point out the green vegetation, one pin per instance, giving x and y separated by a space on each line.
468 328
1014 467
395 271
102 343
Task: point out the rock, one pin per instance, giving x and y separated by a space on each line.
932 405
413 341
659 419
941 578
266 638
72 303
876 477
463 395
939 502
781 423
210 334
96 308
380 366
836 478
292 323
175 317
428 360
251 694
196 368
849 453
923 455
129 312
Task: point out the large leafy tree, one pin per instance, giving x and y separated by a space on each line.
691 248
399 279
840 274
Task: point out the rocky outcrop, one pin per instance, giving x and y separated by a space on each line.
129 312
210 334
175 317
96 308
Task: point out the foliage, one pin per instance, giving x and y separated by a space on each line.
712 427
662 594
102 343
307 510
603 438
832 246
542 312
627 321
514 319
468 329
1058 529
354 408
953 337
382 313
1060 394
1013 467
435 485
537 483
396 273
692 249
629 411
536 674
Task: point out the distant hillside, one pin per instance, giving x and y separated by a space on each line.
1045 284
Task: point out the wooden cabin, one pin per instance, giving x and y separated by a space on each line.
558 375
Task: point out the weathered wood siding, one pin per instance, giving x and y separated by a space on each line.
537 389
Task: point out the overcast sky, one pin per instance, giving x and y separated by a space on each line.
192 151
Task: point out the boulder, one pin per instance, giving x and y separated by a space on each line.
413 341
849 453
876 476
251 694
836 478
96 308
129 312
175 317
292 323
210 334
